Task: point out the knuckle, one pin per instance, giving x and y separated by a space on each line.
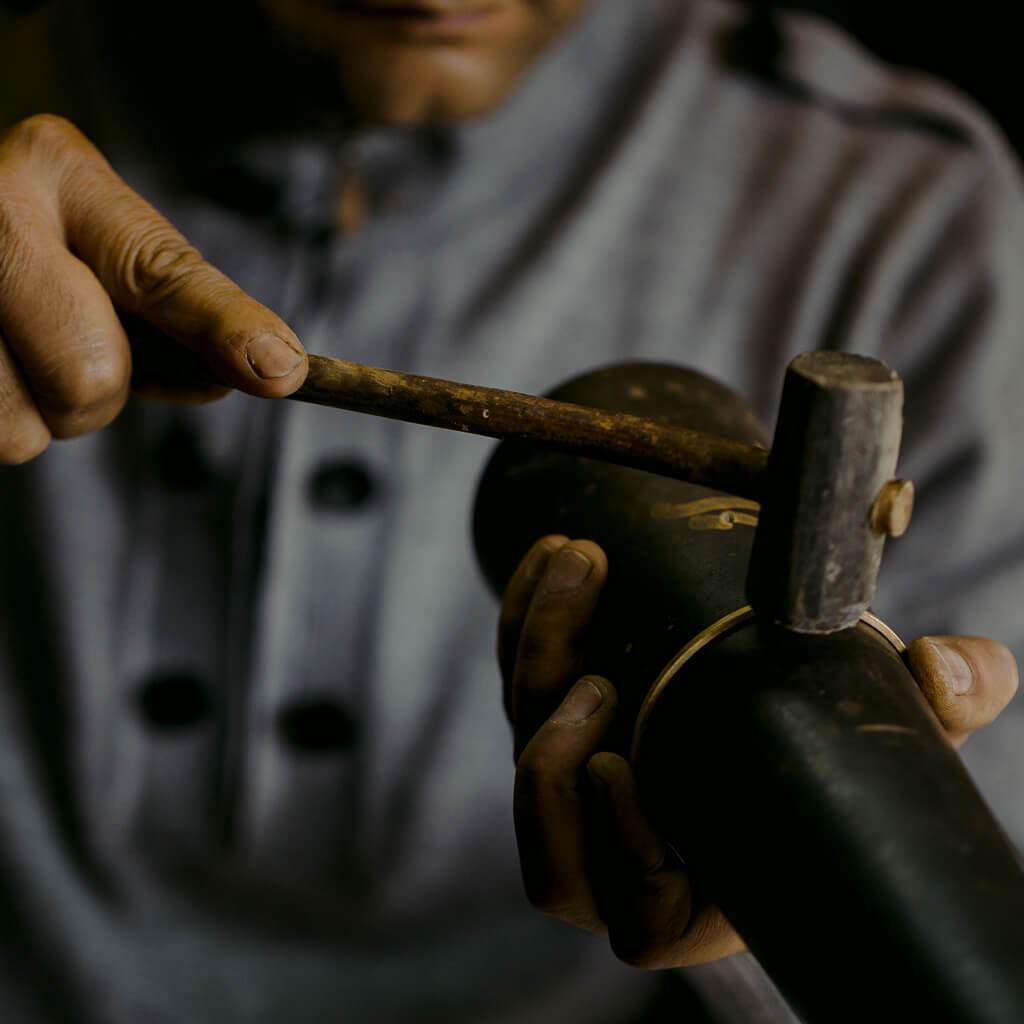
46 133
43 138
155 264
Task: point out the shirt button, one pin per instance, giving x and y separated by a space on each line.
316 725
173 701
180 464
341 486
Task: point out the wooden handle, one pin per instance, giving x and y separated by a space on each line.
702 459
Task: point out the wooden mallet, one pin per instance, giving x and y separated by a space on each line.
827 493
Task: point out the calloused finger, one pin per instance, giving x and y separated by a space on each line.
551 643
643 892
550 803
967 680
146 265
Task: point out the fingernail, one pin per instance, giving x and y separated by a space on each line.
960 675
568 569
583 700
271 357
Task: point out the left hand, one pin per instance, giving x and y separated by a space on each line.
643 900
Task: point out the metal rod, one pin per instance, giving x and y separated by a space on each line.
619 438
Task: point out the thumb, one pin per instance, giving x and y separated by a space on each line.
967 680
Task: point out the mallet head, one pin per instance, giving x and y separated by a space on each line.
830 499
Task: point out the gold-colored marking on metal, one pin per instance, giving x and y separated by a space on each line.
723 521
704 506
888 632
726 624
881 727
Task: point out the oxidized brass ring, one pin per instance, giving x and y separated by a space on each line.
726 624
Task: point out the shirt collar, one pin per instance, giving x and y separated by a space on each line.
556 113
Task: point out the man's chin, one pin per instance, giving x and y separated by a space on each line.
425 61
268 66
420 90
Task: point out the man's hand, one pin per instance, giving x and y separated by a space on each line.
78 248
587 853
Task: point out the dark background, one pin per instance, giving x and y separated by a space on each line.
973 45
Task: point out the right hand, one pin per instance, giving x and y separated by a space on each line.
79 250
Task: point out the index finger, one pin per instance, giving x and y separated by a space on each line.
515 602
150 270
552 640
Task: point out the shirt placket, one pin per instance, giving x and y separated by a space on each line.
307 721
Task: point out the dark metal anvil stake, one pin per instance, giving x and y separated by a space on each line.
803 778
827 493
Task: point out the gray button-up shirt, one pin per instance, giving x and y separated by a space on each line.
175 844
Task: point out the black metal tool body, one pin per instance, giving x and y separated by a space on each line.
803 778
